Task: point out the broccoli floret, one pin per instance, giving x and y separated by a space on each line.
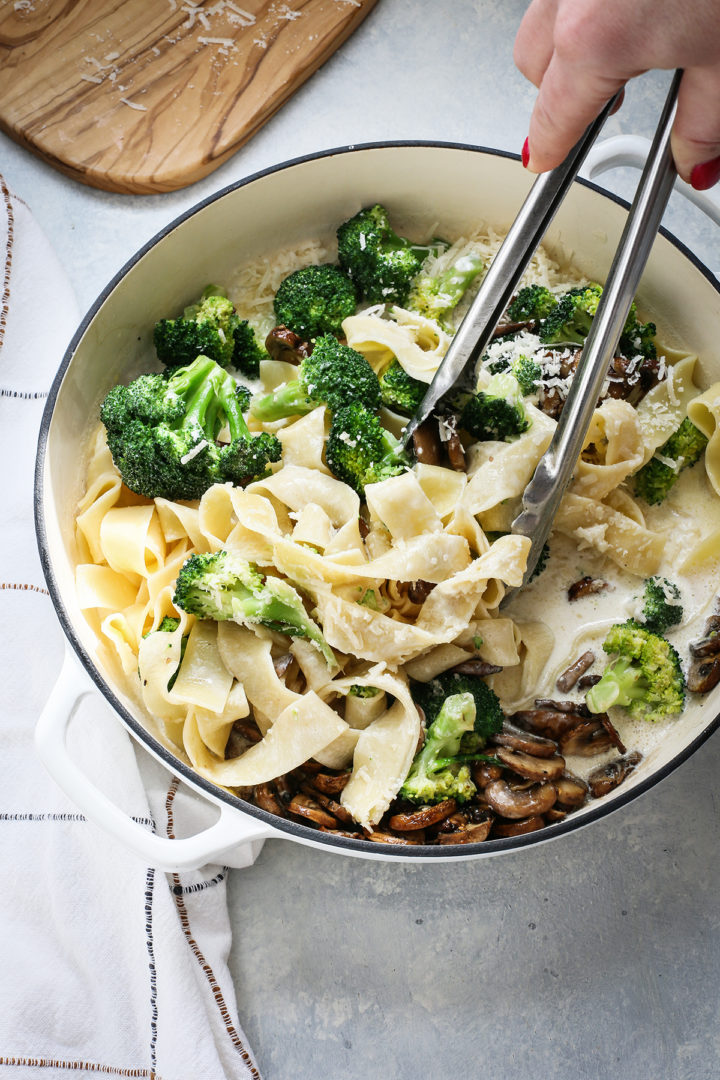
247 351
205 328
168 625
542 562
570 320
333 375
401 391
381 264
360 451
363 691
436 297
488 712
645 678
438 771
223 586
162 432
314 300
682 450
528 374
657 610
497 412
534 302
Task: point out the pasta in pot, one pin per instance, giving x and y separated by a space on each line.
405 584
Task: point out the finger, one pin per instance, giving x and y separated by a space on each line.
534 40
568 100
696 131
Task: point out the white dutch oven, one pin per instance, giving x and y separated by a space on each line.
422 185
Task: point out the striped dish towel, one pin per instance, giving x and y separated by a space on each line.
108 966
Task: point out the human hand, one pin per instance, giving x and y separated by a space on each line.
579 53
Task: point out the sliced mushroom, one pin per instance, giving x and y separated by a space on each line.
571 674
426 443
518 739
422 818
521 802
419 591
328 803
283 789
267 800
608 776
503 829
504 328
305 807
586 681
586 586
412 838
589 738
532 768
612 732
456 453
551 723
706 646
554 815
484 773
571 791
330 785
578 707
283 344
475 666
704 675
467 832
249 730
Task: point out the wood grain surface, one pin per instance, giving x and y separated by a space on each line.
150 95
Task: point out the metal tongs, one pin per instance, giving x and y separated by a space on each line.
554 470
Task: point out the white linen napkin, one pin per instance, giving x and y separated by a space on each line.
108 966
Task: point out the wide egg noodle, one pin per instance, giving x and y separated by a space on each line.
616 440
518 684
665 405
247 654
597 525
704 411
300 732
402 506
103 487
203 679
502 470
417 343
303 442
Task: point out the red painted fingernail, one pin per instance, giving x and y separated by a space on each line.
706 175
526 155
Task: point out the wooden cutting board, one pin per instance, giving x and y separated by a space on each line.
151 95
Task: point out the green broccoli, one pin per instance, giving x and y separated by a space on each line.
528 374
400 391
380 263
205 328
162 431
439 770
645 677
682 450
360 451
657 609
314 300
333 375
569 322
436 297
363 691
489 717
247 351
223 586
531 304
168 625
497 412
541 563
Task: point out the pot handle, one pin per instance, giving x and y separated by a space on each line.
231 829
621 150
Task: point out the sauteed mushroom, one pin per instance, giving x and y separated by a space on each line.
283 344
423 817
519 802
532 768
588 738
586 586
571 674
571 791
502 829
476 666
549 722
518 739
608 776
426 443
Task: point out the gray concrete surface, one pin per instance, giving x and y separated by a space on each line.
592 957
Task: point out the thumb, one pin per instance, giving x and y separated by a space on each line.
696 131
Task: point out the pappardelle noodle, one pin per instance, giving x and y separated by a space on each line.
311 615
